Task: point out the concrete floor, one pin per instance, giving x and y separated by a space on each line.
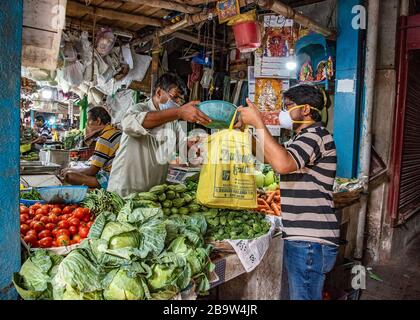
401 277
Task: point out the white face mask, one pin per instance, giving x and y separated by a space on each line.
168 105
286 121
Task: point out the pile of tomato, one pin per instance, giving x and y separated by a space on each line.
54 225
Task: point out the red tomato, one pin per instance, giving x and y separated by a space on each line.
61 232
50 226
45 242
31 240
56 211
38 226
24 228
83 232
63 225
79 213
41 212
54 231
74 222
90 223
31 212
67 210
24 217
45 219
32 224
44 233
77 238
35 207
24 210
38 217
46 207
28 222
32 232
65 217
73 230
86 219
53 218
63 240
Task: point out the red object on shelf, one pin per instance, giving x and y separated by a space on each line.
247 36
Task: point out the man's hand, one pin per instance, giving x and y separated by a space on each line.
190 113
251 115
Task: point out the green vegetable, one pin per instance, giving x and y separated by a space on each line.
269 178
77 277
180 188
162 197
174 210
184 211
100 200
170 195
120 235
187 198
33 280
167 211
178 203
146 196
259 178
159 189
33 194
194 208
167 204
124 287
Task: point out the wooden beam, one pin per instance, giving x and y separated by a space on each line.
288 12
78 24
180 7
77 8
193 38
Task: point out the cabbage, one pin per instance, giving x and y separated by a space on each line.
161 277
125 240
33 280
124 287
77 277
272 187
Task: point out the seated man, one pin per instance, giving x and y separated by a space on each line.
97 174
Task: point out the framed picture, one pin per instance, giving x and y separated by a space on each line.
227 9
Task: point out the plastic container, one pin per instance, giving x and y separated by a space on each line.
29 203
63 194
247 36
220 112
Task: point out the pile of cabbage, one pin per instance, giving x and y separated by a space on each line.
133 255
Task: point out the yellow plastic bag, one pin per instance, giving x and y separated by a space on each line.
227 179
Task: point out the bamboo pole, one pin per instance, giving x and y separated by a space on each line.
180 7
76 8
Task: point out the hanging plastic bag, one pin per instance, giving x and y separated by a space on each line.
227 179
207 77
73 73
105 41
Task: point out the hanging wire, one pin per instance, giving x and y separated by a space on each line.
93 44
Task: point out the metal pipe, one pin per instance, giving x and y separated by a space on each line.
366 143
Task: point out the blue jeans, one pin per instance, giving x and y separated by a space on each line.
307 263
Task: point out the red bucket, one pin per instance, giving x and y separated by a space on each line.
247 36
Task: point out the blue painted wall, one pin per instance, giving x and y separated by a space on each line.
10 64
347 104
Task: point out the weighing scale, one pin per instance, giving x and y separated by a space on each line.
178 174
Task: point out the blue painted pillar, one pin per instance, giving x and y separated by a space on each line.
32 118
348 88
10 64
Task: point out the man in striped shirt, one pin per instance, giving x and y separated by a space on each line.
307 166
97 174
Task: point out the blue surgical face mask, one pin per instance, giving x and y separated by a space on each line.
168 105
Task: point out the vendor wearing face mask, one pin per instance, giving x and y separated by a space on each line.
307 166
151 132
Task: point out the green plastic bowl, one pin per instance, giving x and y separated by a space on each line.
220 112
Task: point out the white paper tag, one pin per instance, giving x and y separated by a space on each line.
345 86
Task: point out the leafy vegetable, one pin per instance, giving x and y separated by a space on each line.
100 200
124 287
33 194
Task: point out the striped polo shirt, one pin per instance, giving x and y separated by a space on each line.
308 212
105 148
